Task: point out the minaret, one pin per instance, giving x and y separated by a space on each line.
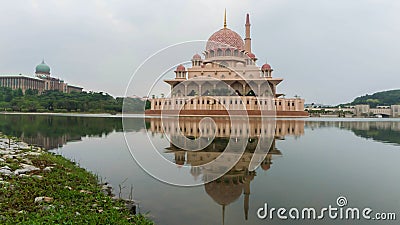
247 40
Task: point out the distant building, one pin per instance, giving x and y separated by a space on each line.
361 110
71 88
395 110
22 82
41 82
358 111
144 98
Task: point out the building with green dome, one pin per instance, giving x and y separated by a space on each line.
42 81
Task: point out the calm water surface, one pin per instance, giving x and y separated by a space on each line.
310 164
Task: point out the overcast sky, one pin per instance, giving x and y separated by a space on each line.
326 51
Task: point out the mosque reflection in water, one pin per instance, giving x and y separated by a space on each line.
228 188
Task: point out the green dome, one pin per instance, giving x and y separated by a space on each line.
42 68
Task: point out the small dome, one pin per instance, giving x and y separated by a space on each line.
224 38
196 57
265 166
43 68
180 68
180 162
265 67
251 55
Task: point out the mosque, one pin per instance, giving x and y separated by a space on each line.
42 81
226 78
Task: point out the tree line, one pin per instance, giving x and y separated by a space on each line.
56 101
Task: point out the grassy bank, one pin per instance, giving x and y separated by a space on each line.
47 188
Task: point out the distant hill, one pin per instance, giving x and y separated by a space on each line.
388 98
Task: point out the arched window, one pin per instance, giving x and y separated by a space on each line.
219 52
228 52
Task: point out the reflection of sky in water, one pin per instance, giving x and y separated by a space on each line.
328 160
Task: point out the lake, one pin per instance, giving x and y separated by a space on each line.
302 163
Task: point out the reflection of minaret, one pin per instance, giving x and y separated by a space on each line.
246 199
223 214
247 40
246 192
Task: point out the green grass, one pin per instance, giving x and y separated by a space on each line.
70 205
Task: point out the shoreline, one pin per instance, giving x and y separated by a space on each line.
119 115
144 116
37 186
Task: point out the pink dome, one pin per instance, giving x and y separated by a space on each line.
266 66
266 166
196 57
251 55
224 38
180 68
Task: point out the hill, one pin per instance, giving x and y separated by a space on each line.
387 98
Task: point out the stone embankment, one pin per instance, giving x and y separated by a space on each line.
14 158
